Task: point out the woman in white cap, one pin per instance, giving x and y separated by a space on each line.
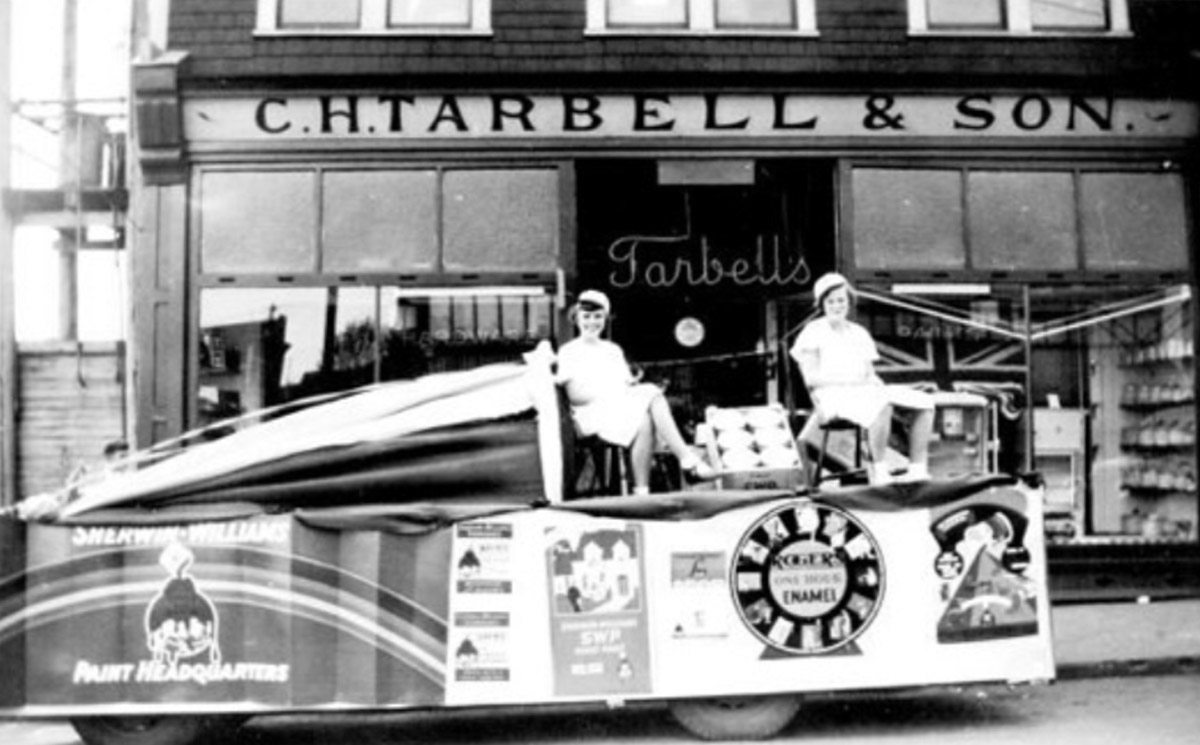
837 358
607 400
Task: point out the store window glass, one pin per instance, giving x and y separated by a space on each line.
500 220
430 13
260 347
1069 14
428 331
373 16
376 221
319 13
265 346
647 12
1113 417
702 16
258 222
966 13
1134 220
756 13
1019 16
1022 220
908 219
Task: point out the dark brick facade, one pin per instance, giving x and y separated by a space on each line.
542 42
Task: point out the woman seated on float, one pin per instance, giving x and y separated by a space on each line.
837 359
608 402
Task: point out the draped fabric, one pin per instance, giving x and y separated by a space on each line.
487 435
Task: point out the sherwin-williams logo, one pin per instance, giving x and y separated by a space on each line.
808 578
183 638
181 622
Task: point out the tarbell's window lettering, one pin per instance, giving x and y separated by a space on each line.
1019 16
374 16
702 16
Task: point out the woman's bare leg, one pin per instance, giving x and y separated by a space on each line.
665 426
641 452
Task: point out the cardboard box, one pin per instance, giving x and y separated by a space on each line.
753 446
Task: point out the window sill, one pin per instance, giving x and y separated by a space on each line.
996 34
360 33
706 33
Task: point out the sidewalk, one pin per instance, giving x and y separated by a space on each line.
1125 638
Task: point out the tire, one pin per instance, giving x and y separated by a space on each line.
168 730
735 718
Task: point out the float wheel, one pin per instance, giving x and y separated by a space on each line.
735 718
166 730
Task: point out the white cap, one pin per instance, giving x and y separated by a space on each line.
827 283
596 299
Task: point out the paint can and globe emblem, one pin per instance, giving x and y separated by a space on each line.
808 578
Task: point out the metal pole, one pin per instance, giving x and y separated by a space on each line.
70 162
8 367
1029 402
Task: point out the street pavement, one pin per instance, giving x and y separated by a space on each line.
1127 638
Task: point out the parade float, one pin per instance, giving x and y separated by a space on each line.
418 545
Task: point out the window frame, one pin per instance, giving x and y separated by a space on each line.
1018 22
701 21
373 21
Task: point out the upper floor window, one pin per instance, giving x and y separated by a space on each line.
374 16
701 16
1019 16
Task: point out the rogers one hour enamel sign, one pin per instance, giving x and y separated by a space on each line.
808 578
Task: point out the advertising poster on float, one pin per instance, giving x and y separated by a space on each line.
598 608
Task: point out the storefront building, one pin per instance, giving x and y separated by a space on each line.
337 193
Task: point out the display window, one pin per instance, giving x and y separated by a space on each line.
265 346
1092 388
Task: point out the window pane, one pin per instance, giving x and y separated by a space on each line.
310 13
966 13
264 346
500 220
908 219
380 221
455 13
1022 221
1134 220
1070 14
436 330
257 222
756 13
647 13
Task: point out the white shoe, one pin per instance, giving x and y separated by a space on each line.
917 472
880 475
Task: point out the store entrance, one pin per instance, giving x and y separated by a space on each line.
696 254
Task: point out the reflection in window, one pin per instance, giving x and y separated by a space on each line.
261 347
428 331
1070 14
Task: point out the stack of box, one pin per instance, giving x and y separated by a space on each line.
753 447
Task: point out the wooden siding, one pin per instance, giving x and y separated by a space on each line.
69 408
860 42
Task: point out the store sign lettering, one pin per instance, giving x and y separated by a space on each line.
642 115
665 262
